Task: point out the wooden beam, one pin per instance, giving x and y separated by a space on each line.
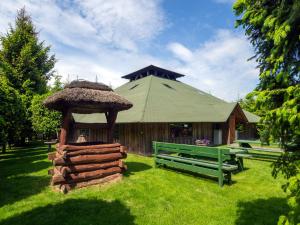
231 129
111 119
66 118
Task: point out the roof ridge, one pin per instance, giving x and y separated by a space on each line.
147 97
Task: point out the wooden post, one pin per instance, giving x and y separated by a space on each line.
66 117
111 117
220 171
231 129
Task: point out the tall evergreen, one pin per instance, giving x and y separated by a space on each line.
26 63
25 60
273 28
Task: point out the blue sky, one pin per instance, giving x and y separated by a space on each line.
108 39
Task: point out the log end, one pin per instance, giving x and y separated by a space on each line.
51 156
65 188
51 172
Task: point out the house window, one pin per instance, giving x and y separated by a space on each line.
181 130
83 135
84 132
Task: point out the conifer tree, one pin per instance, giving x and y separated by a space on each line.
26 63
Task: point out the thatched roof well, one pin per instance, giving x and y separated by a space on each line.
87 97
88 85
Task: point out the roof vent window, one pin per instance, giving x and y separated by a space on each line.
133 87
168 86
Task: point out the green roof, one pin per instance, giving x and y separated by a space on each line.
252 118
157 99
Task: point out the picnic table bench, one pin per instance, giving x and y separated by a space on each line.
256 152
204 160
249 143
49 143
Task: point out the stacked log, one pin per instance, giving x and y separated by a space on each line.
81 166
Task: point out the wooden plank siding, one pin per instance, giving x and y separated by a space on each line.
138 137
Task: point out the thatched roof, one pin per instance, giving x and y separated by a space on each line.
87 97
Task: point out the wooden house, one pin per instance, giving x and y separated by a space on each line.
165 109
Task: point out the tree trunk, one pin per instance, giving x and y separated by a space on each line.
4 148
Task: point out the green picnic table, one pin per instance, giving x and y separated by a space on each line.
247 143
235 154
245 150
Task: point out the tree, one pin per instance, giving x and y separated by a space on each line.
11 112
57 85
25 62
44 121
273 28
24 59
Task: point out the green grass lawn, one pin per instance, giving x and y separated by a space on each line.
145 196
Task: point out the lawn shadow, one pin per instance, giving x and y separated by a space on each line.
14 167
207 178
135 167
261 211
17 153
20 187
16 183
76 211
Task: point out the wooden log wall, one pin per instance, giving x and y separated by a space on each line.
138 137
203 130
80 166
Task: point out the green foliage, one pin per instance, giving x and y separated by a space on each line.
281 114
289 166
26 63
44 121
273 28
11 112
57 85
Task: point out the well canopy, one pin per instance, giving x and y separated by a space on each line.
87 97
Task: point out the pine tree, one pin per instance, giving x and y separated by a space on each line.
24 59
26 63
273 28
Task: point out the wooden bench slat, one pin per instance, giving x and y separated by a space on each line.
196 169
212 164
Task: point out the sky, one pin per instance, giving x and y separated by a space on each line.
111 38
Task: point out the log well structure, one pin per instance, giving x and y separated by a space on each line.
84 164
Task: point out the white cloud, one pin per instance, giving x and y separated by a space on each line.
123 22
220 66
92 38
119 24
180 51
107 39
